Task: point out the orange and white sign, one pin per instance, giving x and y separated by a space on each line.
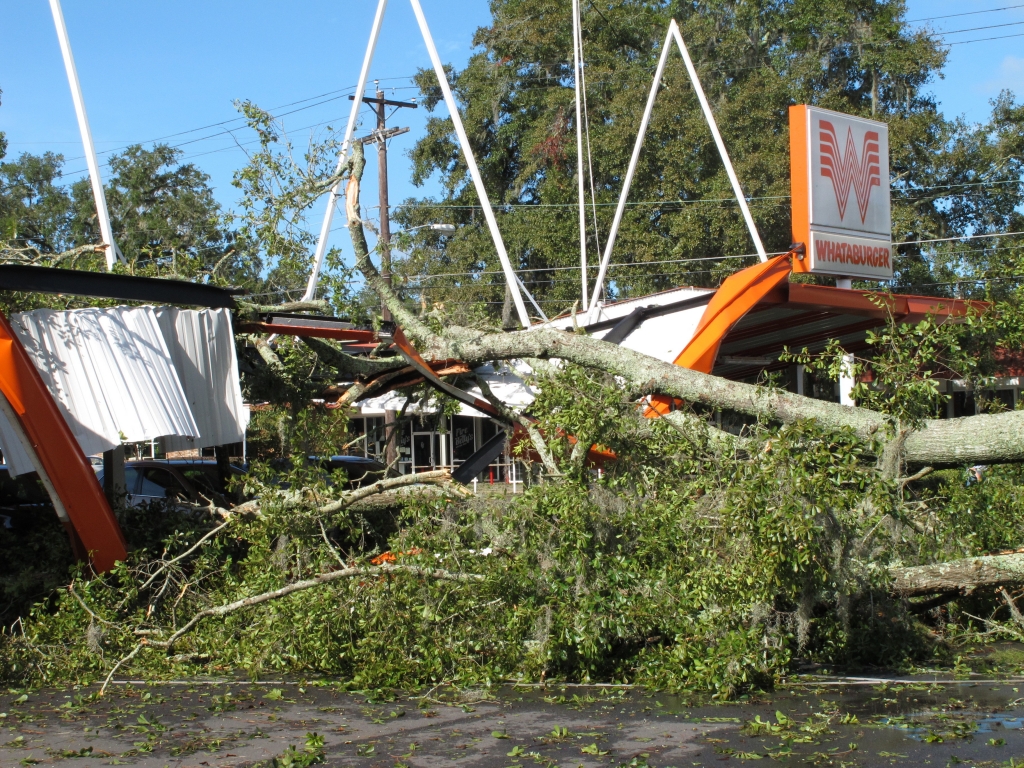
839 167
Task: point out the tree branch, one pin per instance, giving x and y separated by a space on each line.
409 322
984 439
290 306
437 477
350 365
269 355
298 586
186 553
988 439
441 477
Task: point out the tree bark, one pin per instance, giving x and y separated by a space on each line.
963 575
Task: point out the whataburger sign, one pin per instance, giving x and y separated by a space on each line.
839 166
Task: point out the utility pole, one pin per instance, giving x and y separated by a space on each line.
380 138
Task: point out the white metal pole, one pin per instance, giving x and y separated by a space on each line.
478 182
102 215
533 301
353 119
709 116
620 208
577 39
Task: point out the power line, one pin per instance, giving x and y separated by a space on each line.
975 29
973 280
966 13
984 39
236 145
593 268
701 201
962 237
227 132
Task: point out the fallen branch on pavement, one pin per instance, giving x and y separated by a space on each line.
298 586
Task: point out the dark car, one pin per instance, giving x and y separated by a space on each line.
192 480
21 497
359 470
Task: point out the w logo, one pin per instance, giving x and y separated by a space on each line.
846 170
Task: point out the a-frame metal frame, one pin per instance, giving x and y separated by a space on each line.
467 152
673 35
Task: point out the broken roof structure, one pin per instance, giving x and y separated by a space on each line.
82 381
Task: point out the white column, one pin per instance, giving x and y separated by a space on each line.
102 215
713 125
577 50
353 119
474 172
847 382
628 181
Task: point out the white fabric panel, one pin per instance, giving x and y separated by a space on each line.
202 347
15 456
110 372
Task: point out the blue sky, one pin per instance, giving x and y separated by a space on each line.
151 70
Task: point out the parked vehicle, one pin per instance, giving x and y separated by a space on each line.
21 497
360 471
195 481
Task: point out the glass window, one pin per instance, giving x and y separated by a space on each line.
161 484
200 481
963 404
422 448
131 480
462 437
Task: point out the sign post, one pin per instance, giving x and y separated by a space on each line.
839 167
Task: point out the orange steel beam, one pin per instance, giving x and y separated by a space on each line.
739 294
59 454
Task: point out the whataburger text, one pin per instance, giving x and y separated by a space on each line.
828 251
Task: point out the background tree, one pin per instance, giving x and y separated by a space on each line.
755 59
163 213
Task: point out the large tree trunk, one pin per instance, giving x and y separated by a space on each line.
987 439
967 574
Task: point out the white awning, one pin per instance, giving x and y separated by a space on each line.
202 347
507 383
131 374
109 371
15 455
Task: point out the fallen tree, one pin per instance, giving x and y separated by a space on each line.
987 438
701 560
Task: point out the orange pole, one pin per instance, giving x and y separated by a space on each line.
739 294
59 454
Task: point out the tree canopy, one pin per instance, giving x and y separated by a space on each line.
682 226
